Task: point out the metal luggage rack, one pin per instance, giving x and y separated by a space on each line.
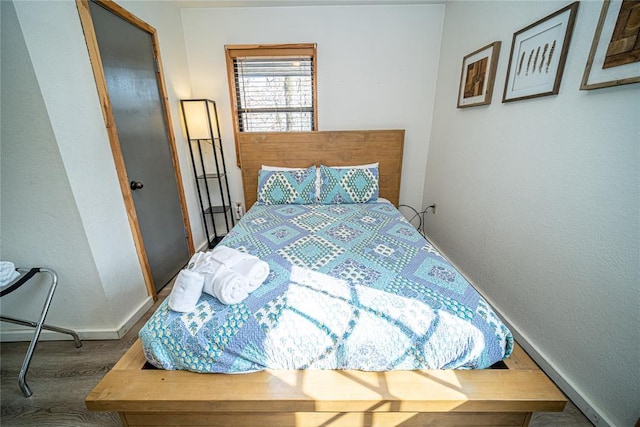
26 275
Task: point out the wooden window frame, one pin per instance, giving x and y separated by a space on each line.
267 50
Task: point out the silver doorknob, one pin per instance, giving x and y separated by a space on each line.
136 185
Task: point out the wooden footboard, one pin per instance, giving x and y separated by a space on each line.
505 397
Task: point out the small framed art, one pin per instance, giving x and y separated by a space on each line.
614 59
478 75
538 54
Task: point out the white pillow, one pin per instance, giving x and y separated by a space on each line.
368 166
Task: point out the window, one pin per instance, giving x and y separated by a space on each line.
272 87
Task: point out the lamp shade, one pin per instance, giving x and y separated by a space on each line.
198 118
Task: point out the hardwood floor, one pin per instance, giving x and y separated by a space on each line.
61 376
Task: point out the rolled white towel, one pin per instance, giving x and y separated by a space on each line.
8 273
229 256
209 278
207 264
186 291
251 267
254 270
226 285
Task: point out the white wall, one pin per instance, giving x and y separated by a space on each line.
40 223
377 69
102 291
538 203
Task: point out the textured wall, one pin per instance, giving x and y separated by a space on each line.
377 68
41 225
539 205
103 283
68 110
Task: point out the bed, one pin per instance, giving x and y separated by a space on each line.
505 394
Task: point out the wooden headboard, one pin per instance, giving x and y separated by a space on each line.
330 148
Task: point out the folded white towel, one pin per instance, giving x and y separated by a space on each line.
229 256
249 266
8 273
254 270
226 285
196 260
186 291
204 263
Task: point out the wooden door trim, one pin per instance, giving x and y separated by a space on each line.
107 113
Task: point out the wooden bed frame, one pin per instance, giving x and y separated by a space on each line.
490 397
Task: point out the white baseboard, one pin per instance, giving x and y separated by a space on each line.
567 386
128 324
26 333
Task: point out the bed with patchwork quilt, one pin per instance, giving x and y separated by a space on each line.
356 309
351 286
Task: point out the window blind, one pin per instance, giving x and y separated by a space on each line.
274 94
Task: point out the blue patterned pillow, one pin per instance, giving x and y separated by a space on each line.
348 185
297 187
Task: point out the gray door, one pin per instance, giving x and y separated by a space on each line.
132 82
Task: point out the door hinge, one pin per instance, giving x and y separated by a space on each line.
155 62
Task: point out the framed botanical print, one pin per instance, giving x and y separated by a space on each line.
538 54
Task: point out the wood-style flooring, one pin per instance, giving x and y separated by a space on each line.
61 376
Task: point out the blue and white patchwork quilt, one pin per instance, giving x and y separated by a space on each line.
352 286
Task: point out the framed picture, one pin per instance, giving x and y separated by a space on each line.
538 54
615 56
478 75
